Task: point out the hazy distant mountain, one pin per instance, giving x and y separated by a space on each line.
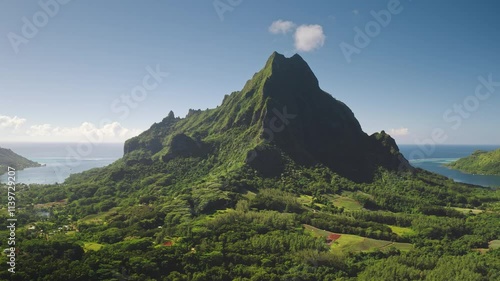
10 159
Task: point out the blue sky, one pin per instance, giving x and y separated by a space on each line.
416 78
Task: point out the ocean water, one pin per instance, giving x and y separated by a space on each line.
434 158
61 159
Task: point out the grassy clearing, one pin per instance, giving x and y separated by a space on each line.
403 247
495 244
467 211
355 243
95 219
316 232
401 231
307 199
91 246
348 203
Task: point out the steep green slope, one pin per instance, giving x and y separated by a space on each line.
10 159
480 162
281 116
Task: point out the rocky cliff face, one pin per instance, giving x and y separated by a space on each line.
310 126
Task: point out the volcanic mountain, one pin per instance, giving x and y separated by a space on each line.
280 117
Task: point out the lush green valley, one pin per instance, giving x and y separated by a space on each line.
279 182
10 159
480 162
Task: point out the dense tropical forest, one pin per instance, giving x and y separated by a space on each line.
480 162
8 158
279 182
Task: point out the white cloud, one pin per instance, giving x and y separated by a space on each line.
11 122
39 130
309 37
399 132
356 12
108 132
281 26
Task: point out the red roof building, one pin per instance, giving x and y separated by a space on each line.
332 237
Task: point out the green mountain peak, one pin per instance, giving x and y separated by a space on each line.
281 117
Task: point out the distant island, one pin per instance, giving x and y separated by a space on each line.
480 162
9 158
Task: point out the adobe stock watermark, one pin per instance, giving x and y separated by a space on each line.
363 37
122 107
223 6
455 116
32 26
276 125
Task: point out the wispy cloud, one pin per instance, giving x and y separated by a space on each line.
399 132
108 132
19 129
309 37
281 26
7 122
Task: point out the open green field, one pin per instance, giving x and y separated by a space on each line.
348 203
91 246
95 218
495 244
355 243
401 231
